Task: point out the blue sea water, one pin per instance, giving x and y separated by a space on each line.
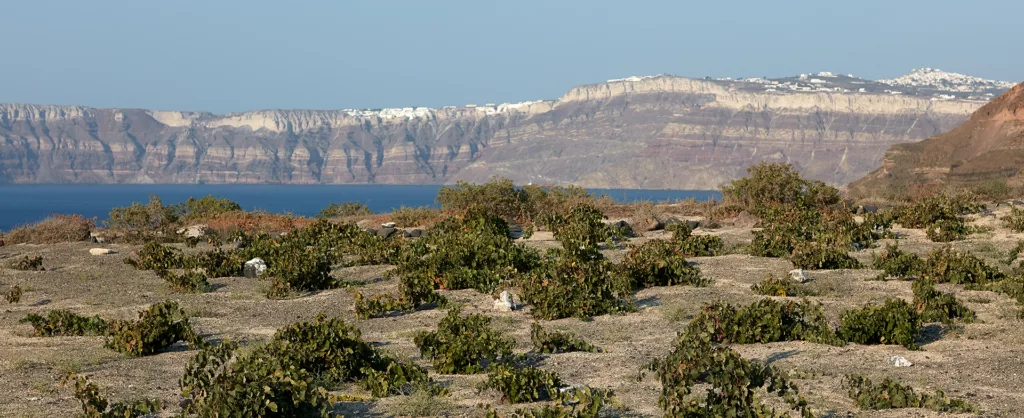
21 204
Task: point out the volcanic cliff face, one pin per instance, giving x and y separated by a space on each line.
651 132
989 145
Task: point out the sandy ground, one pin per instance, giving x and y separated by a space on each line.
980 362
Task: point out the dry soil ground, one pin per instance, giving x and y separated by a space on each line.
980 362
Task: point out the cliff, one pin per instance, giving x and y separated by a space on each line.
989 145
641 132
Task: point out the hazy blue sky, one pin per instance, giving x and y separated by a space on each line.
224 56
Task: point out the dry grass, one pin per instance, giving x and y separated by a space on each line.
52 230
255 222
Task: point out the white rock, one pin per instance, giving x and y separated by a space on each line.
899 361
505 302
101 251
799 276
193 231
254 268
387 225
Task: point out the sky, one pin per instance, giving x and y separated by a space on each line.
233 55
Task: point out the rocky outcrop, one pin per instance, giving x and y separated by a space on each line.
989 145
654 132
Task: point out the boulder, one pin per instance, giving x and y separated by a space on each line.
386 232
413 233
254 268
505 302
101 251
899 361
96 239
387 225
193 231
798 276
622 226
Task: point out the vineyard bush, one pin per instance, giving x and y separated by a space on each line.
891 395
95 405
896 263
155 256
1015 220
157 328
928 211
463 344
815 256
771 286
947 230
764 321
336 210
192 281
29 263
522 384
565 286
660 263
895 322
768 184
947 265
13 294
143 223
935 306
206 207
550 342
299 270
65 323
576 402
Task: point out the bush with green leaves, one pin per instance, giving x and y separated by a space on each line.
935 306
694 245
660 263
768 184
926 212
156 256
29 263
895 322
731 383
895 263
95 405
947 230
815 256
522 384
158 327
784 228
1014 220
498 197
62 322
143 223
889 394
13 294
337 210
576 402
566 285
551 342
222 381
191 281
764 321
581 230
772 286
947 265
299 270
206 207
1014 254
463 344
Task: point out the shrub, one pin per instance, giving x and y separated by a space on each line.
498 197
219 381
299 269
895 322
1014 253
580 231
947 230
143 222
928 211
155 256
1015 220
578 402
95 405
769 184
947 265
216 263
158 327
525 384
405 217
814 256
256 222
206 207
33 263
771 286
463 344
731 381
13 294
935 306
993 189
550 342
764 321
660 263
65 323
52 230
895 263
565 286
336 210
891 395
192 281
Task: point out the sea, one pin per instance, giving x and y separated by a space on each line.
22 204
